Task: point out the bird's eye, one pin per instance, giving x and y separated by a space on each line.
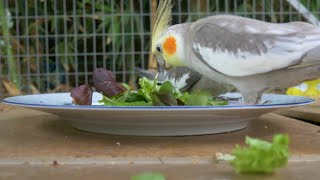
159 49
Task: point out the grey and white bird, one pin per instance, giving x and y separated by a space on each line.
251 55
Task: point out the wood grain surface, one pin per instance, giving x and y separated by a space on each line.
27 133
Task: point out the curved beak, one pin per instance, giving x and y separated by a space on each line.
162 64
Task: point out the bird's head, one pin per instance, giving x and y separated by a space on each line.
167 42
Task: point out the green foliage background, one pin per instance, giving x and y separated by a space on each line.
59 42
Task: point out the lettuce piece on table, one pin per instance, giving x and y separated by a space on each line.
261 156
149 176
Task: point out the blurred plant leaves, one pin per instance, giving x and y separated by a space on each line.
11 88
119 29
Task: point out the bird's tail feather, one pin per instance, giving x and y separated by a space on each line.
313 55
311 58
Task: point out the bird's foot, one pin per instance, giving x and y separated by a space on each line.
239 100
266 102
258 103
225 98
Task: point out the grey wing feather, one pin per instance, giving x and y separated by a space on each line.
234 35
181 77
175 75
256 44
149 74
216 37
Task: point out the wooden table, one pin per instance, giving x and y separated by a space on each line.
35 145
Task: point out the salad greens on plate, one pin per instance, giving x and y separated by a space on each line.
149 93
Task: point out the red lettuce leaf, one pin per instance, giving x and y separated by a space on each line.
105 82
82 95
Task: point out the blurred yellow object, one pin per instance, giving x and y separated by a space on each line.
309 88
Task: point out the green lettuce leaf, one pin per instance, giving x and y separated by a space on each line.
165 96
150 93
149 176
213 102
197 99
147 87
201 99
261 156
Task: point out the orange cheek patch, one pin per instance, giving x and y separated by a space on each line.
170 45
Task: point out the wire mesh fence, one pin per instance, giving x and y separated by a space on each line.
57 43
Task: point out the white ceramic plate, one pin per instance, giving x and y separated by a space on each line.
155 121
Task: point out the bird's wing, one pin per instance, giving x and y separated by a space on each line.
182 77
149 74
237 51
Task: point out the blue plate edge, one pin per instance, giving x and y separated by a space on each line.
98 107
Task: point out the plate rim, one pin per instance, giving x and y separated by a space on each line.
154 108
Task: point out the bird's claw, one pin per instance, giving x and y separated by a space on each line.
239 100
265 102
225 98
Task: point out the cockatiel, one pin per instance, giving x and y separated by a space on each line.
251 55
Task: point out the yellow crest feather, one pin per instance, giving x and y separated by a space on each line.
163 18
